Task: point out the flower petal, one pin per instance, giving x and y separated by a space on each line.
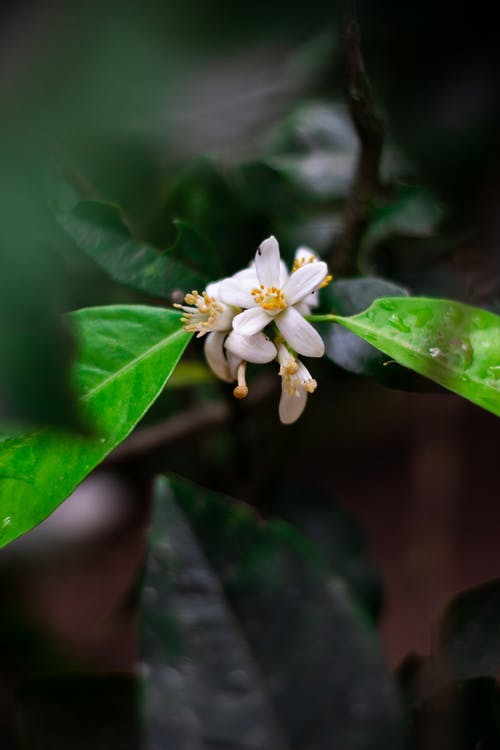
213 289
251 321
215 355
236 292
291 407
257 348
267 262
299 333
304 280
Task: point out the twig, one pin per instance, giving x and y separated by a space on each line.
368 126
191 422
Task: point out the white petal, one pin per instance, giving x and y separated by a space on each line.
247 274
304 254
304 280
251 321
216 358
291 407
257 348
284 274
213 289
234 362
299 333
236 292
267 262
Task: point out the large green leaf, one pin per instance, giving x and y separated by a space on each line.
244 626
126 355
100 231
455 345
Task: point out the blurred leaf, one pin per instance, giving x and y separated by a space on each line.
351 296
99 230
36 345
319 661
468 642
455 345
126 355
202 687
414 213
334 533
79 712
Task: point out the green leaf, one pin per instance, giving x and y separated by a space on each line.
246 615
99 230
455 345
127 353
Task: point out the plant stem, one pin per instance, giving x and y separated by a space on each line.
328 318
368 126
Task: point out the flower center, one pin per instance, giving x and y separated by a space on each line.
270 298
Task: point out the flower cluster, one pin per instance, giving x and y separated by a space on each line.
259 315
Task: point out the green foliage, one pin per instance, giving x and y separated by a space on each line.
319 668
126 355
99 230
455 345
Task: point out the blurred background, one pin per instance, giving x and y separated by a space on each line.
203 127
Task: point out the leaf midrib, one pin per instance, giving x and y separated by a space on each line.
119 373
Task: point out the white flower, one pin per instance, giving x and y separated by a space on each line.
205 313
268 296
296 383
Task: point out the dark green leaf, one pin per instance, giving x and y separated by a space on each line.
318 659
99 230
127 353
455 345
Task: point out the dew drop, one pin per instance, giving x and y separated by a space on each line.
435 351
396 322
6 522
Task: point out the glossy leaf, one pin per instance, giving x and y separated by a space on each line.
226 592
99 230
127 353
455 345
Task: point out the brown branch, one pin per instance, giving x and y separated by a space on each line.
191 422
368 126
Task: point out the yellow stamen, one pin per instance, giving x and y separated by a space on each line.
326 281
201 313
270 299
300 262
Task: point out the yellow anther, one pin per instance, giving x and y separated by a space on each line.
326 281
271 298
310 385
300 262
200 313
